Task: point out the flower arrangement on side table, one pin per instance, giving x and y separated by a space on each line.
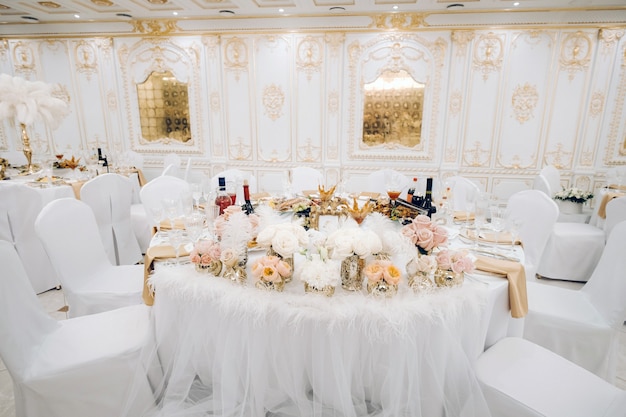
575 195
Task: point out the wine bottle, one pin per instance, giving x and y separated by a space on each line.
222 199
411 191
247 205
428 198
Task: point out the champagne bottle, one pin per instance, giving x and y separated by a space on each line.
428 198
247 205
222 199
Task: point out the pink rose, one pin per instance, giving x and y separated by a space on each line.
195 258
374 271
422 221
425 239
440 236
205 258
283 268
391 274
444 260
214 251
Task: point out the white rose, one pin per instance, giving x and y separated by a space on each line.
285 243
342 245
265 236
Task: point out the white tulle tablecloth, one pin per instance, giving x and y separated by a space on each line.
228 350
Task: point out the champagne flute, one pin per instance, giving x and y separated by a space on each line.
157 216
196 193
170 207
176 238
194 223
514 225
497 220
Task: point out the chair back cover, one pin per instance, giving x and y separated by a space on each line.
538 214
305 178
187 170
378 181
23 322
615 213
19 207
237 176
134 159
463 191
162 187
606 287
110 198
553 178
171 162
68 230
541 183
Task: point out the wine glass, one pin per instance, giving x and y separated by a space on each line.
171 210
194 223
157 217
393 189
196 193
176 238
497 219
514 226
211 212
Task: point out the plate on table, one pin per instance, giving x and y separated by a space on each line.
487 237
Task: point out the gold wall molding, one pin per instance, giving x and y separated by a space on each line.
214 102
462 38
476 156
455 103
616 146
488 54
333 102
4 49
112 100
239 150
155 27
524 101
335 41
212 44
23 58
86 59
586 157
575 54
273 99
309 56
609 38
516 162
400 21
236 56
596 105
559 157
308 152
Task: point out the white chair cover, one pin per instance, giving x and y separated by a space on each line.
377 181
541 183
553 178
538 214
19 207
463 190
69 233
522 379
187 170
134 159
580 241
109 196
616 176
236 176
69 368
583 325
305 178
171 164
615 213
159 188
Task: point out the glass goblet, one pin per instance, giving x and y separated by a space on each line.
176 238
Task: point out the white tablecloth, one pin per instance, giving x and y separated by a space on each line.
230 350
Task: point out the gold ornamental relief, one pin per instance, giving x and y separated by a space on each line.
560 158
236 56
462 38
333 102
400 21
524 101
476 156
596 105
456 103
85 57
155 27
609 37
488 54
575 53
309 56
308 152
273 101
23 58
335 40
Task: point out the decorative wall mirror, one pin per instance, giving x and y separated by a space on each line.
164 108
393 106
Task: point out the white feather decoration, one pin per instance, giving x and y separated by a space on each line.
392 240
237 233
30 101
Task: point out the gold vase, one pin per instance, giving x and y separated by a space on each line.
270 286
382 288
214 268
28 151
327 290
448 278
272 252
421 282
352 273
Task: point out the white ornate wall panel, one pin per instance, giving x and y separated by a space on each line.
499 103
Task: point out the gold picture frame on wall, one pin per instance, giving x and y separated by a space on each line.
164 108
393 107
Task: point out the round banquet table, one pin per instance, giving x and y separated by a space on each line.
232 350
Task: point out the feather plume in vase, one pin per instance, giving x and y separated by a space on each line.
29 101
392 240
238 231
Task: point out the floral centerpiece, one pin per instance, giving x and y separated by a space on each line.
571 200
352 245
425 234
271 272
452 265
206 255
318 272
235 229
29 101
573 194
382 278
282 240
302 211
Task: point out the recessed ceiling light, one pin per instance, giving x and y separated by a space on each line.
31 19
455 6
281 10
395 7
337 9
175 13
516 4
226 12
77 16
